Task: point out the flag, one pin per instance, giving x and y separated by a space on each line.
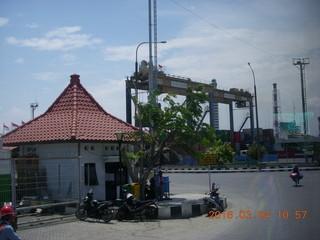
13 125
22 122
161 68
5 128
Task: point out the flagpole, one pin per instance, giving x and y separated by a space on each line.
5 127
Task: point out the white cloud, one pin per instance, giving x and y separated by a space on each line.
48 76
69 59
19 60
64 38
110 96
32 25
18 114
63 31
120 53
3 21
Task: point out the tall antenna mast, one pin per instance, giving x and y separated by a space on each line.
155 47
302 63
276 110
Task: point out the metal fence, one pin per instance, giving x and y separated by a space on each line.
37 186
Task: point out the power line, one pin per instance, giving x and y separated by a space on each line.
223 30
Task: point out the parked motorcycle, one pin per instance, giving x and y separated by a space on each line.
133 207
94 209
296 177
213 203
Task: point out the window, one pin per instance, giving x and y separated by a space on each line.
32 151
90 174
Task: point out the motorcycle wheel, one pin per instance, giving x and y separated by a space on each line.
220 209
81 213
106 215
151 212
121 214
216 208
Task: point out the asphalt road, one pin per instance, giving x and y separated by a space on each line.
262 205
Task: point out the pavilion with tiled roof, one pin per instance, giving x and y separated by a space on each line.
74 116
74 141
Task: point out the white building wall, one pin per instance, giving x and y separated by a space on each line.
62 166
92 153
98 153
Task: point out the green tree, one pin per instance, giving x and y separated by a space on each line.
223 152
176 124
254 149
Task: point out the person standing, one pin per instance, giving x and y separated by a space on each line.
6 230
158 185
161 185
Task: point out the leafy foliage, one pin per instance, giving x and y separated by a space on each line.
223 152
176 124
253 150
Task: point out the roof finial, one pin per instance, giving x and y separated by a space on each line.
75 79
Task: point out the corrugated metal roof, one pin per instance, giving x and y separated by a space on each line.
75 115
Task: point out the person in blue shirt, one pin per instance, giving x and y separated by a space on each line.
6 230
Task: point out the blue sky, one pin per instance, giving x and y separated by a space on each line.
43 42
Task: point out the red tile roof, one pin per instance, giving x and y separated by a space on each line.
75 115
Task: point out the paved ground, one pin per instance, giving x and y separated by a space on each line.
249 194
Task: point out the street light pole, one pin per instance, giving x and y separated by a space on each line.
136 72
136 63
256 103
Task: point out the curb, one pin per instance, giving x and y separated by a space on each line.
186 210
236 170
181 211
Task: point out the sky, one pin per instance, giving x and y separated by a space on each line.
43 42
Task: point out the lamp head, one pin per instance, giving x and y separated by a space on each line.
119 135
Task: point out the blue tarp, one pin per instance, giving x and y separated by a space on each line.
187 160
270 158
266 158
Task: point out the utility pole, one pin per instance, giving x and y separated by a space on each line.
256 103
301 64
33 107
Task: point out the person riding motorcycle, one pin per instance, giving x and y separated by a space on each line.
6 230
297 171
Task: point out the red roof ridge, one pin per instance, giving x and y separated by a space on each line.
74 115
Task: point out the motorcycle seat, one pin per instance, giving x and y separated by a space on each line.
141 203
